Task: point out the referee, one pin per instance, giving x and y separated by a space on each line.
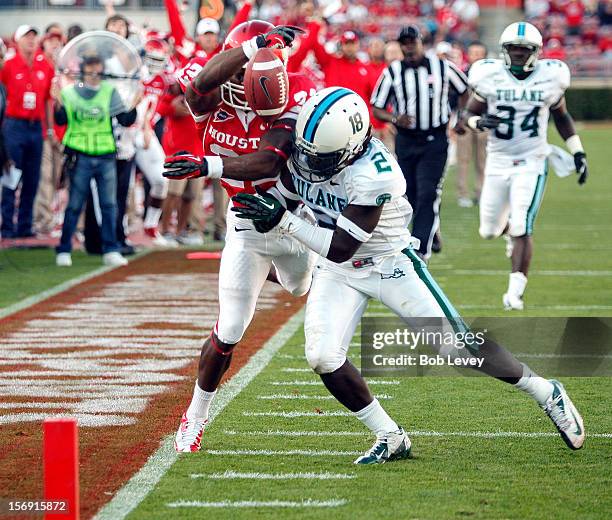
417 90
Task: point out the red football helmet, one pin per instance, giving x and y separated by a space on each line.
156 55
232 91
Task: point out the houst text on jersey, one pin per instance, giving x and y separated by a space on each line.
242 143
513 95
317 196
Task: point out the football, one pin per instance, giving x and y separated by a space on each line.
266 85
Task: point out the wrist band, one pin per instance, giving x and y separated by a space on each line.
472 122
250 47
574 145
215 166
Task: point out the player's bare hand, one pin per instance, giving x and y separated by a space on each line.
459 127
403 121
179 106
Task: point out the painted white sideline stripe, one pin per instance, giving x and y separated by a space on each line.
305 453
416 433
319 383
230 475
37 298
311 397
545 272
141 484
295 413
257 503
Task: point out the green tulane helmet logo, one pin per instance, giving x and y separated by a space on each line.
381 199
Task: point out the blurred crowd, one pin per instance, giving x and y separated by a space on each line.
344 44
577 32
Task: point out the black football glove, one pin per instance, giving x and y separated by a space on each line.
279 37
183 165
488 121
263 209
581 167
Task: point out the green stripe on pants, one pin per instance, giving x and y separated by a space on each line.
447 307
536 201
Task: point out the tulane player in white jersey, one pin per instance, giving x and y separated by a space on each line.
513 98
355 189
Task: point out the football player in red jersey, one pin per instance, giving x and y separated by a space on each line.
246 152
149 152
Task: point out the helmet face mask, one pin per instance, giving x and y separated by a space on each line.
318 167
332 131
156 56
232 91
520 45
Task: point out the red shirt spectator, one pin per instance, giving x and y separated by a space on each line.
28 86
574 13
554 50
343 69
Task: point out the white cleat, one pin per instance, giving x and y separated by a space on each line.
512 302
189 435
190 239
63 260
114 259
563 414
159 240
393 446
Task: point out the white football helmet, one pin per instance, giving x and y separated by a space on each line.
333 128
525 35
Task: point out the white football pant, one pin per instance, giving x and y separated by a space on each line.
337 301
511 196
150 162
245 263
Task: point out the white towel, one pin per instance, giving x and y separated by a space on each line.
561 161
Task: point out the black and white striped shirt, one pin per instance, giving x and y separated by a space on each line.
420 92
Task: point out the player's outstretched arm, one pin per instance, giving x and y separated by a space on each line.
353 227
567 130
224 65
271 156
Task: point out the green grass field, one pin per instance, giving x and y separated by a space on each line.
463 467
453 474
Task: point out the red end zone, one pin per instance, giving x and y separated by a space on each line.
118 352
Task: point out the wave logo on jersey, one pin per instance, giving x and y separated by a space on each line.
221 116
397 273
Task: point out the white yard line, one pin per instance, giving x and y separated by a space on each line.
319 383
308 503
139 486
296 413
310 397
231 475
267 453
416 433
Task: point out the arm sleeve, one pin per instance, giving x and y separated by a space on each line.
322 56
295 61
383 91
177 28
457 79
61 118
